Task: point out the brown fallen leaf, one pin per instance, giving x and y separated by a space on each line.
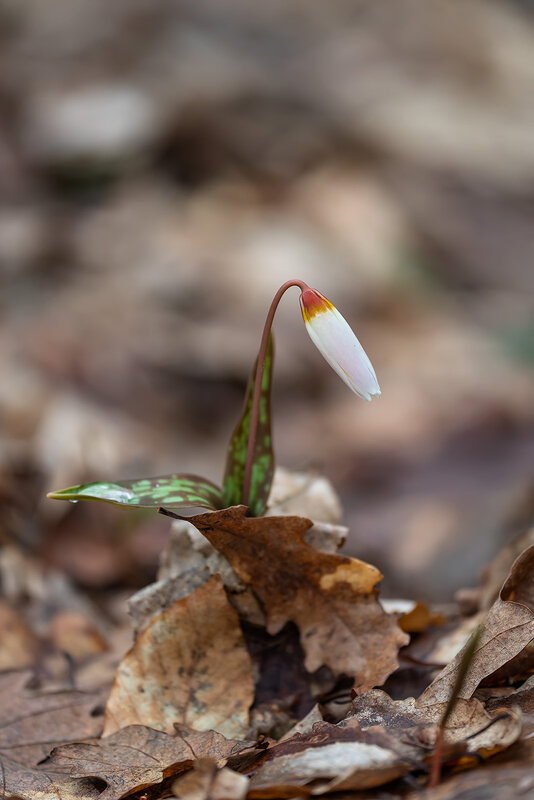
19 645
331 598
332 758
137 757
509 628
469 723
189 665
208 782
305 725
522 698
449 643
413 617
496 572
211 744
33 721
508 776
24 783
99 670
72 632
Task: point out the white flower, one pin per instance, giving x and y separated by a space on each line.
335 339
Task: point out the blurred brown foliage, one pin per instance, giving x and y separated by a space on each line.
165 166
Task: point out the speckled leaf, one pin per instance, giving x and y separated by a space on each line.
190 665
262 471
170 491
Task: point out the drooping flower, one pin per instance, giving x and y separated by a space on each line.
336 341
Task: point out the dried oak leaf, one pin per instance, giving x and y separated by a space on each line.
332 758
189 665
305 724
24 783
469 724
522 698
137 757
33 721
207 781
509 628
331 598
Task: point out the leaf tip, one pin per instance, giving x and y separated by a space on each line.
59 494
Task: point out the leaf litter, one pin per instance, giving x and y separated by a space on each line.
509 629
190 665
197 698
331 598
137 757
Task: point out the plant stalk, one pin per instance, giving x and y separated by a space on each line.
258 379
470 650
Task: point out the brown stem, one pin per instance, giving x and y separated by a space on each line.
435 771
255 410
466 660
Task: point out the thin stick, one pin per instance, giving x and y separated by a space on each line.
463 669
255 410
435 771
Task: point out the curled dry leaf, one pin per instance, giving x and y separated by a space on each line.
189 665
469 728
509 628
522 698
331 598
332 758
208 782
137 757
496 572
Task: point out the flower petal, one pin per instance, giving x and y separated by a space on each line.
335 339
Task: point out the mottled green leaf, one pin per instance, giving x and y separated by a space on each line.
262 471
170 491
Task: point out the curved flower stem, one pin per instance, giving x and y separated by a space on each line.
255 410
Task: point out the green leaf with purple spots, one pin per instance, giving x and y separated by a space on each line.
170 491
263 467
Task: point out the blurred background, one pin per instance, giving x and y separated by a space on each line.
165 166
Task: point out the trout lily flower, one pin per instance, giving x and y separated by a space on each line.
250 459
336 341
